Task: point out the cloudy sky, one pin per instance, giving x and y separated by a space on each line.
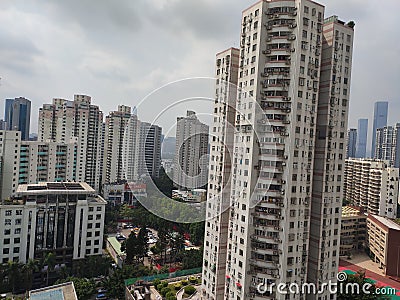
120 51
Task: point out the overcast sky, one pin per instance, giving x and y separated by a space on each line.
120 51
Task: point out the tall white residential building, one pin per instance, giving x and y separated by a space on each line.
116 124
289 141
219 173
65 120
66 219
387 144
10 142
329 153
372 184
191 151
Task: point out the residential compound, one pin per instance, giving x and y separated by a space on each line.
64 218
191 151
387 145
288 154
78 121
373 185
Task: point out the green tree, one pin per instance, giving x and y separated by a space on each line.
29 268
84 287
360 281
196 231
50 262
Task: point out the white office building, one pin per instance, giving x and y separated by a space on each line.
66 219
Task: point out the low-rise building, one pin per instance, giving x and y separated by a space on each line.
64 291
124 193
354 230
66 219
384 243
195 195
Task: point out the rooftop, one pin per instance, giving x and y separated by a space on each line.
387 222
55 187
64 291
350 211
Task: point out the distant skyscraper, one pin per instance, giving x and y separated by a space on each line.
191 147
362 135
351 143
380 120
18 116
2 124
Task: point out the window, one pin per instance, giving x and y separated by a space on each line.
89 234
8 212
98 208
18 221
6 251
306 9
97 242
97 225
97 233
17 231
6 241
16 250
88 243
7 222
17 240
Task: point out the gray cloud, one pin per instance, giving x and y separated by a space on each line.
120 51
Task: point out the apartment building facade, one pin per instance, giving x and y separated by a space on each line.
66 219
353 235
387 145
64 121
190 153
291 114
373 185
383 243
219 174
47 162
115 126
10 142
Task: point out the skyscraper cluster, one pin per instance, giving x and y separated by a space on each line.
275 205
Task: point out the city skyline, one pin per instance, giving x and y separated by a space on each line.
104 77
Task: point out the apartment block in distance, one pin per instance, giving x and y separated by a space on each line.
384 243
116 123
387 144
288 160
353 235
373 185
191 149
219 174
65 120
66 219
